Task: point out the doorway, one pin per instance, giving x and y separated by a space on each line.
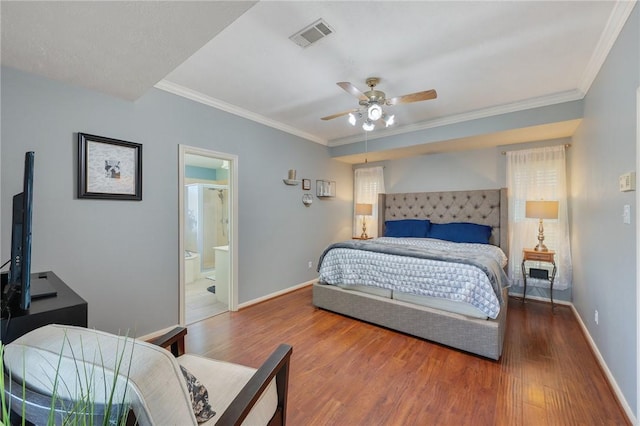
207 248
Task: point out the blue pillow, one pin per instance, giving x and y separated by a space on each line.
461 232
411 228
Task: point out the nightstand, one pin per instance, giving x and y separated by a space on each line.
539 256
360 238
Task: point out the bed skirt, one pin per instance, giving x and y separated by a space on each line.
478 336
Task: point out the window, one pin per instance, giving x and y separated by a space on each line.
368 183
538 174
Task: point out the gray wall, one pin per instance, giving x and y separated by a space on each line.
604 249
453 171
481 126
122 256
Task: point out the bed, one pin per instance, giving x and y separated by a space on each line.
459 325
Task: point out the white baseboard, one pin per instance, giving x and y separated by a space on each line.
157 333
543 299
240 306
276 294
612 381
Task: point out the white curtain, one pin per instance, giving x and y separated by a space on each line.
538 174
368 183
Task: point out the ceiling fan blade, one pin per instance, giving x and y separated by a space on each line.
350 88
340 114
413 97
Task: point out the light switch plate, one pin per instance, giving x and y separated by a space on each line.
628 182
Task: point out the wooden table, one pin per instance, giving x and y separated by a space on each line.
539 256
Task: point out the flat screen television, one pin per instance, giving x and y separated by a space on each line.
18 288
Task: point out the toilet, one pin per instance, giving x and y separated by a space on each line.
191 266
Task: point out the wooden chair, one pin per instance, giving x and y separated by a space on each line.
149 382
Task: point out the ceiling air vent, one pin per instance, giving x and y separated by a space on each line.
312 33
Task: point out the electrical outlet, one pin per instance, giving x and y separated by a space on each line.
310 264
626 214
596 317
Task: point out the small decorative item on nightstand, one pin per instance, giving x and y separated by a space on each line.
364 210
539 256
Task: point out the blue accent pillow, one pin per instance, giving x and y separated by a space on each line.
410 228
461 232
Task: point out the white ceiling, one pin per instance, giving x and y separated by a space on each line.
120 48
483 58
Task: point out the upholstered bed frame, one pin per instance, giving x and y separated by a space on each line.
478 336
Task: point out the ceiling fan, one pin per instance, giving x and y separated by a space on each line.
372 101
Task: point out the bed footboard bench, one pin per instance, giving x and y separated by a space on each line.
478 336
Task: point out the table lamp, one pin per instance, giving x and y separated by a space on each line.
364 210
541 210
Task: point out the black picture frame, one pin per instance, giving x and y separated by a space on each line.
306 184
109 169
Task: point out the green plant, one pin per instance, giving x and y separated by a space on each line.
81 408
6 410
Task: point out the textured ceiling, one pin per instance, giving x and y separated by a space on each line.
483 58
119 48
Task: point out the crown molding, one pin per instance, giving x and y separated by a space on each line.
542 101
617 19
619 15
193 95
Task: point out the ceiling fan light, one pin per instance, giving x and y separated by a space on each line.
368 126
374 112
389 120
352 119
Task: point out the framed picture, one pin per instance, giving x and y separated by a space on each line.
109 168
306 184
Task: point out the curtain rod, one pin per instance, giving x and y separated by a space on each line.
566 145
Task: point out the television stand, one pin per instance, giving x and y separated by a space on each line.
41 287
57 304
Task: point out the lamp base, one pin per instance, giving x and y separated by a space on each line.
364 235
541 247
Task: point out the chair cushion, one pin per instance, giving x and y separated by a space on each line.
154 384
224 381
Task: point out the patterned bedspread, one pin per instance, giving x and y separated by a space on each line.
471 273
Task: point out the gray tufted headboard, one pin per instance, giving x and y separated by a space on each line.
486 207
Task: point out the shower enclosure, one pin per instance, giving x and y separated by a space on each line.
207 221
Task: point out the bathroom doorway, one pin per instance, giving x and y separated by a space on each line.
208 208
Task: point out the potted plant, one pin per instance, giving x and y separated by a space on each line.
73 401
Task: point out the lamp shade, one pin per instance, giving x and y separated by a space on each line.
364 209
541 209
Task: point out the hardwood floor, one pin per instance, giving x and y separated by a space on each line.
347 372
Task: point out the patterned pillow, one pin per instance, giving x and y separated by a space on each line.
199 397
